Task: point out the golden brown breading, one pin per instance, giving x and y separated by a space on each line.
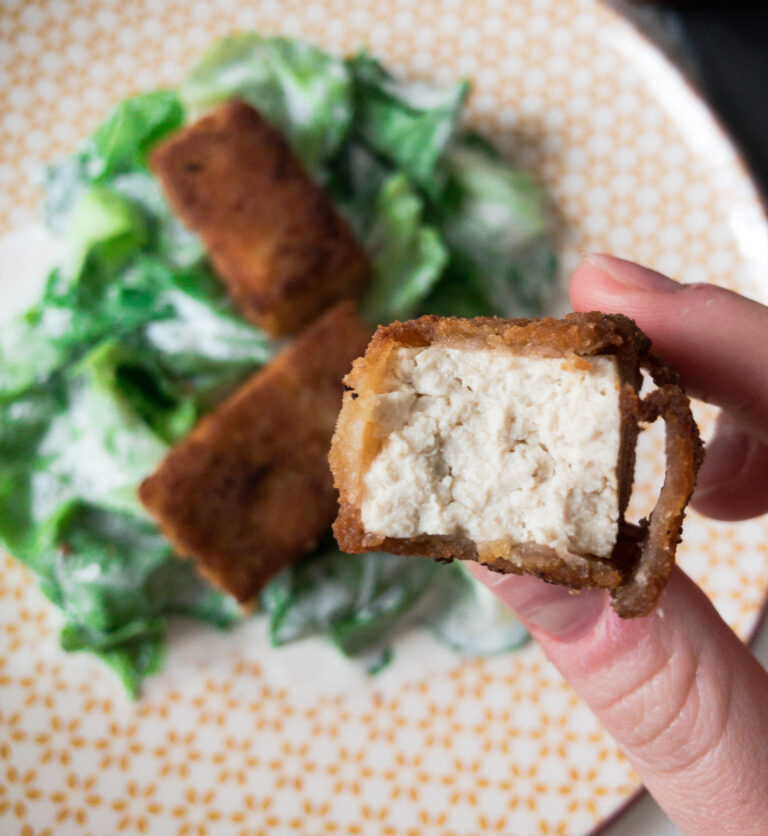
643 556
249 490
273 235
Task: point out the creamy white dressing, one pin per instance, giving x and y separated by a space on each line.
201 330
26 257
101 459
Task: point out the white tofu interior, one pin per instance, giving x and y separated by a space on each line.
494 446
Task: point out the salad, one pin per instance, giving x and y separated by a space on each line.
134 339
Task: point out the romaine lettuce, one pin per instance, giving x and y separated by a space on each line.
134 339
120 144
408 123
117 582
407 255
123 141
495 222
303 91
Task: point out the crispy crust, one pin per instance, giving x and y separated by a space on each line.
273 235
640 589
249 490
643 556
579 334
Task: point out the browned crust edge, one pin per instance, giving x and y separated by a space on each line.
640 590
644 554
248 490
274 236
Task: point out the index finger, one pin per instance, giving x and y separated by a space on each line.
718 342
716 339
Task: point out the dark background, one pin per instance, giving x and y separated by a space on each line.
728 46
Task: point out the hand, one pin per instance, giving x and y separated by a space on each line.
681 695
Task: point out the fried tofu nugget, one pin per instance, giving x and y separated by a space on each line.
512 442
274 236
250 490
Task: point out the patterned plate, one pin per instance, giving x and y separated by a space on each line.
235 737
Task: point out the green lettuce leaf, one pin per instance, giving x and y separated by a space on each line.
99 449
120 144
303 91
354 181
116 571
460 292
407 255
63 183
32 347
123 141
71 456
140 381
361 601
24 421
203 335
76 313
117 582
495 221
169 239
106 228
358 601
204 348
130 661
76 438
409 123
387 214
179 320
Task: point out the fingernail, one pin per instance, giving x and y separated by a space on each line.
563 614
724 459
633 276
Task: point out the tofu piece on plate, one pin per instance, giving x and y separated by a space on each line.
250 490
512 442
273 235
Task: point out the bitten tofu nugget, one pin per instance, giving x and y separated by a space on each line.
249 490
274 236
512 442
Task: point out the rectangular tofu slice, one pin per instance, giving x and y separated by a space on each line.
474 445
507 442
274 236
250 490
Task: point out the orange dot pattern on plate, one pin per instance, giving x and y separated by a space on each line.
500 745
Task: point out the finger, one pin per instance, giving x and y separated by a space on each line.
733 481
680 694
716 339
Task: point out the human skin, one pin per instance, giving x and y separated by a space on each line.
678 691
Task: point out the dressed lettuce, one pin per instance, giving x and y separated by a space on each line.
409 123
134 339
96 383
301 89
495 222
469 617
117 582
358 603
123 141
120 144
407 255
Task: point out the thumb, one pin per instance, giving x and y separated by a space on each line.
718 342
677 690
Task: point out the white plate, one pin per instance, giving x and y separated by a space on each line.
237 738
